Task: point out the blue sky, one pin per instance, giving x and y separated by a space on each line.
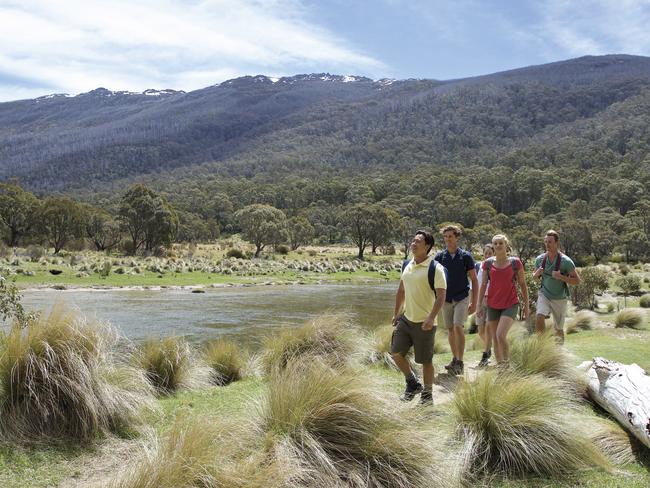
72 46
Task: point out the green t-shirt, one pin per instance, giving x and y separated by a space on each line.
551 288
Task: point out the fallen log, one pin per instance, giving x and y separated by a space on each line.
624 391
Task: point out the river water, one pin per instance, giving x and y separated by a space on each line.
245 314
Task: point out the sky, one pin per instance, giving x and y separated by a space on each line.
74 46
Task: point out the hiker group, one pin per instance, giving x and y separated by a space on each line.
452 283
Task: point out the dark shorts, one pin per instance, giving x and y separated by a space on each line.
495 313
407 334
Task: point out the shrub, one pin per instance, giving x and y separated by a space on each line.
583 320
105 269
312 252
644 301
539 354
59 379
35 253
629 284
631 318
518 425
334 425
281 249
169 364
226 360
332 337
624 269
593 280
235 253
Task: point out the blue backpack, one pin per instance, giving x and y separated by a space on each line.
431 275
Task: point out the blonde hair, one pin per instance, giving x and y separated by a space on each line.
501 237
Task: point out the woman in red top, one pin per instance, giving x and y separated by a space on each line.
503 272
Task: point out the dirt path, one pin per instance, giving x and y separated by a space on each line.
96 469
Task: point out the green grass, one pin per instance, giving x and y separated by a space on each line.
37 467
622 345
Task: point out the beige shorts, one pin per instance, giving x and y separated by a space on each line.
455 313
557 308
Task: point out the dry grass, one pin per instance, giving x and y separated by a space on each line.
631 318
226 359
331 337
517 425
618 444
198 453
582 320
540 354
60 379
341 433
170 365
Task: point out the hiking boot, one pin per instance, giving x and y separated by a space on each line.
426 398
458 368
485 359
412 389
451 365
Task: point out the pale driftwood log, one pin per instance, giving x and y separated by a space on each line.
624 391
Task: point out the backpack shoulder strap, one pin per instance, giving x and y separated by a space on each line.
513 263
432 276
558 261
488 266
405 264
543 266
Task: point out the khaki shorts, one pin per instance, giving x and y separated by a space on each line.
407 334
557 308
455 313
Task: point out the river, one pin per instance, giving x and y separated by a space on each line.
246 314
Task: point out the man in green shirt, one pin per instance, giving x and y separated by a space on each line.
556 271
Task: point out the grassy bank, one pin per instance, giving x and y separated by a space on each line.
69 463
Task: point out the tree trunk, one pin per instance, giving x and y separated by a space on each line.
624 391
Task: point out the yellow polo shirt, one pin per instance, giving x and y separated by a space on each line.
418 295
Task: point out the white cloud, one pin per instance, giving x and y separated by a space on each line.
594 27
77 45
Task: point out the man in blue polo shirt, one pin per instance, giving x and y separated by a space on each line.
458 304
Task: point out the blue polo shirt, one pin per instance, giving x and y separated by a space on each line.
457 264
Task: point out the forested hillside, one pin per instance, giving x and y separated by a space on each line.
565 145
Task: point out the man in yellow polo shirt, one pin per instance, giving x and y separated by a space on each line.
420 296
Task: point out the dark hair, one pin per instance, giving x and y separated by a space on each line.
428 239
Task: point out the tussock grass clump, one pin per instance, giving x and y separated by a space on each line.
631 318
196 453
516 425
380 342
332 337
60 379
615 442
169 365
540 354
582 320
340 431
644 301
227 361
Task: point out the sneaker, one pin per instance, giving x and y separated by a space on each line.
485 359
426 398
412 389
459 368
451 365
